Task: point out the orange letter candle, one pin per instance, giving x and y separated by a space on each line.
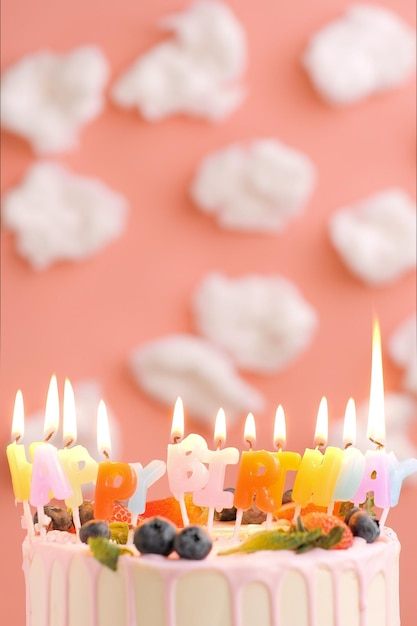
115 480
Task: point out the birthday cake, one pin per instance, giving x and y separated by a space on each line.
66 585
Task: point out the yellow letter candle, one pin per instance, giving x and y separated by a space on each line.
317 475
20 468
78 465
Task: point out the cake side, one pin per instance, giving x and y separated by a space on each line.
67 586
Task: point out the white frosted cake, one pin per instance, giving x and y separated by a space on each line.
67 586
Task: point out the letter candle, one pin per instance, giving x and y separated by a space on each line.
212 495
353 463
258 471
20 468
287 460
316 477
72 458
185 467
48 476
115 480
376 472
146 476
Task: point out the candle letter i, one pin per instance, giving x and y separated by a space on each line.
78 465
48 476
376 472
115 480
20 468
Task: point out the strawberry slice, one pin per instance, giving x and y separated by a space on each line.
316 519
287 511
120 513
170 508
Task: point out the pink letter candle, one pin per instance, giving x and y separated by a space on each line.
48 476
115 480
20 468
316 477
376 472
213 494
185 461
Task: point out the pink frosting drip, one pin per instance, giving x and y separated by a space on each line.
268 568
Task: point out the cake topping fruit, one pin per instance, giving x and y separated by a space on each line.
170 509
298 539
60 518
362 524
106 552
155 536
86 511
94 528
119 532
121 513
193 543
317 519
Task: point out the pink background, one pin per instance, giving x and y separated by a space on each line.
81 320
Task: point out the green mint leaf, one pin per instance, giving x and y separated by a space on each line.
105 552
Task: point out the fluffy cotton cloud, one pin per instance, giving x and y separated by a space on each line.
258 187
60 216
403 350
368 50
87 397
197 72
376 238
400 413
190 367
263 323
47 98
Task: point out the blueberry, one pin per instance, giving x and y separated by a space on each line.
349 514
156 536
363 525
86 512
193 543
287 496
253 515
60 518
94 528
227 515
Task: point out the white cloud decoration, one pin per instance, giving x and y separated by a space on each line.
263 323
255 187
197 72
376 237
368 50
190 367
402 348
48 98
58 215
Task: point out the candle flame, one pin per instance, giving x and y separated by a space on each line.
18 423
250 430
220 428
349 426
376 417
177 428
103 432
322 424
51 410
69 420
280 431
